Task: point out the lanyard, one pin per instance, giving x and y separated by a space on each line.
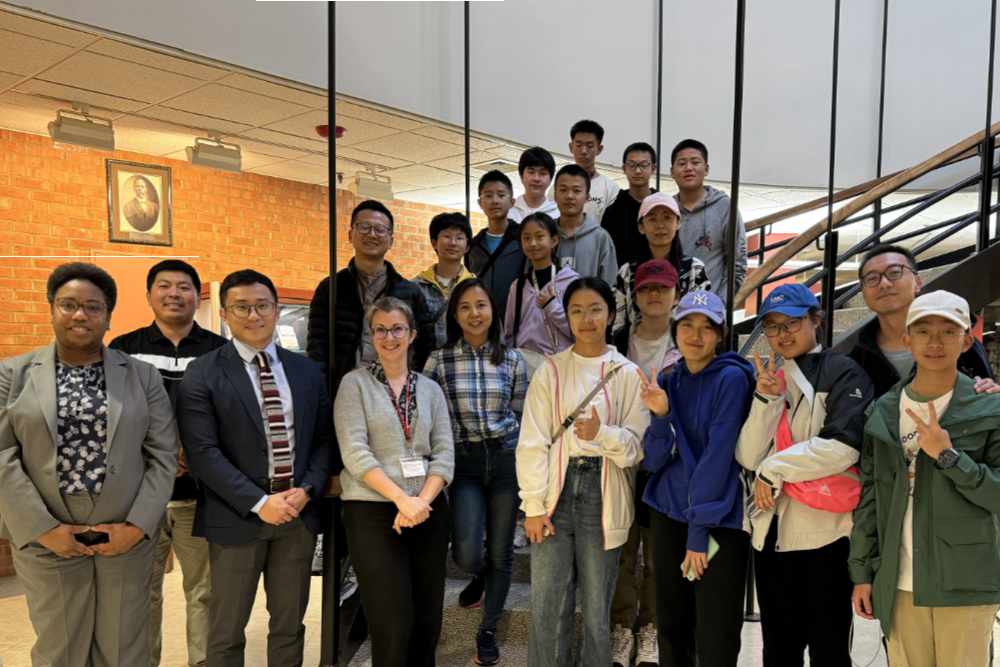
404 414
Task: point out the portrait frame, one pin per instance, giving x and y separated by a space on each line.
140 203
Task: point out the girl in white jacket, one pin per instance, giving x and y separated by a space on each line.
576 479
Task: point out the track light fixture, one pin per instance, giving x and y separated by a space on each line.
216 154
80 128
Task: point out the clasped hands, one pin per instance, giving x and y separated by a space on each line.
413 511
61 540
282 507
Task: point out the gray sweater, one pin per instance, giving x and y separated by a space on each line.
370 435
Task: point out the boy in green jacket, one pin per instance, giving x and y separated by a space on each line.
925 549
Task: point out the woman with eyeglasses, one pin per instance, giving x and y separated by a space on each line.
396 442
802 441
88 454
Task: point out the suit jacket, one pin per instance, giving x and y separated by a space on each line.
222 429
142 454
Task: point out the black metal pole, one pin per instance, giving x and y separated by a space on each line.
986 150
659 87
330 615
877 217
468 167
734 195
830 261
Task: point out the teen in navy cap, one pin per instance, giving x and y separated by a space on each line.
792 300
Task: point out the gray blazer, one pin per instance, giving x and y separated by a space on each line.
142 456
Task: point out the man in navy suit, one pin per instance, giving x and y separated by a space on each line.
256 425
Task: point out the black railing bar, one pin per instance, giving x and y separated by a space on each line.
877 213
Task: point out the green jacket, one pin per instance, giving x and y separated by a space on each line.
956 512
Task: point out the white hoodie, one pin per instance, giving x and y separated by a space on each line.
521 210
556 389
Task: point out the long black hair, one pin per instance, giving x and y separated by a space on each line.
494 335
546 222
675 255
602 288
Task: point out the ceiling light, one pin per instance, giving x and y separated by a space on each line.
373 186
82 129
215 154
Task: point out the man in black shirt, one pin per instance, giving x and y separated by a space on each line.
170 343
621 218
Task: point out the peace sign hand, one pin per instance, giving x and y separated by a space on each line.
769 383
930 436
586 428
652 394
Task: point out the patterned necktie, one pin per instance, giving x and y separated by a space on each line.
274 417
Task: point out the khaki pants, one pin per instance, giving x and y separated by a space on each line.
939 636
192 554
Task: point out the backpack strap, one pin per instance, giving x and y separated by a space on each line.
518 302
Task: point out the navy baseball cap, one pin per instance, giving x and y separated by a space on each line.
793 300
699 301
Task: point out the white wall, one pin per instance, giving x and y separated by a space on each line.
538 65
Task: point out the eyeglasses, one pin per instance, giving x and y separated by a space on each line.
243 310
397 332
633 166
90 308
365 228
924 336
788 326
592 314
893 272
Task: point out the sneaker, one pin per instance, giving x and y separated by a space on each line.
648 650
317 562
487 652
520 539
621 646
472 595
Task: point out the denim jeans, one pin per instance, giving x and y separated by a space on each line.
484 506
573 556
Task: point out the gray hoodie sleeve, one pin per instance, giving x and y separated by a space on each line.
608 260
741 248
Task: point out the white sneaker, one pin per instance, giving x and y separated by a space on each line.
648 652
622 643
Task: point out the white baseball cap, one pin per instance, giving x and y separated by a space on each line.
943 304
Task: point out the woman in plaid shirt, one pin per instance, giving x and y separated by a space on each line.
484 383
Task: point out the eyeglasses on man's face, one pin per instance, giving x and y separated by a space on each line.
791 326
243 310
893 272
366 228
397 332
643 165
71 306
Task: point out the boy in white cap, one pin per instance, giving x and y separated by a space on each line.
925 555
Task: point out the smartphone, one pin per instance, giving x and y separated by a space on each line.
91 537
713 548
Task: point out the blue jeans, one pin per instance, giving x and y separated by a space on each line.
574 555
484 506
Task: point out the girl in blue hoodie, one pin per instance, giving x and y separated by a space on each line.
695 490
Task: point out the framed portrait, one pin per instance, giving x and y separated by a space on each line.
139 203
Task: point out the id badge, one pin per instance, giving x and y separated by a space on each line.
413 466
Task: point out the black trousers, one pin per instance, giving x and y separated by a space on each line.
805 602
401 579
698 623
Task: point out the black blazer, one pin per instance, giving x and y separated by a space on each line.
223 437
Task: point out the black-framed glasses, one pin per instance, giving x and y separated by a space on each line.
632 165
243 310
365 228
397 332
788 326
893 272
90 308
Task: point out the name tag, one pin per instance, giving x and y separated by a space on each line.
413 466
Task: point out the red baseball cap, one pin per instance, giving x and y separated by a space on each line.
655 271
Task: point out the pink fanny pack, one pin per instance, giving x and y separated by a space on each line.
837 493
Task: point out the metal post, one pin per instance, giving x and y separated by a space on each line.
877 217
734 195
830 260
468 167
760 262
986 150
659 87
330 615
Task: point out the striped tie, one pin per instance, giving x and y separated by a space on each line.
274 416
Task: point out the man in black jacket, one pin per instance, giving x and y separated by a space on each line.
890 283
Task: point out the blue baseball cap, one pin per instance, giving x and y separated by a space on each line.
793 300
700 301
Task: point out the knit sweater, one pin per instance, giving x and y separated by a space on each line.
370 435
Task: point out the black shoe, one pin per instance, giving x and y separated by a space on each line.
472 595
487 652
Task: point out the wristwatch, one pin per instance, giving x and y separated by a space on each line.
947 459
308 488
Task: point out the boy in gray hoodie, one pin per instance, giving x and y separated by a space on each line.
584 245
704 230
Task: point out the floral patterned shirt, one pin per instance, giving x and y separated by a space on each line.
82 426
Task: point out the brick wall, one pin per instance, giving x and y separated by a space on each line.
53 201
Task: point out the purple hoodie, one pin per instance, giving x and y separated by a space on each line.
543 331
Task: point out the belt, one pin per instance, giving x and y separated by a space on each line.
279 485
585 462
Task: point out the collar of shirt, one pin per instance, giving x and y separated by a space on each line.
156 334
248 353
485 348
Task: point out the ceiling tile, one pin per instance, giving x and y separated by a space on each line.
411 147
151 137
444 196
251 84
71 94
457 163
361 112
47 31
371 158
14 115
236 105
357 131
20 54
294 171
512 153
135 54
283 139
118 77
424 176
265 149
193 120
442 134
303 126
318 160
37 104
7 80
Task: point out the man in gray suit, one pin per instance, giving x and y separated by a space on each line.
88 454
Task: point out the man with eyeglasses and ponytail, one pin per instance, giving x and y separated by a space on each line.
255 423
889 284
